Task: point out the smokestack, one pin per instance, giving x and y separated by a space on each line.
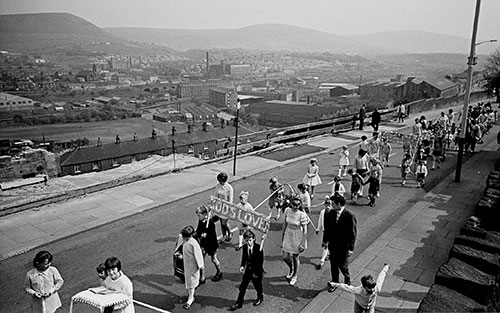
207 63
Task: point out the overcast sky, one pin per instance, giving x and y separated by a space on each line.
341 17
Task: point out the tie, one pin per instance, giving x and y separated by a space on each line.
338 216
249 252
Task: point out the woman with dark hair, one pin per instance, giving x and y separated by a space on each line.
193 263
224 191
118 281
42 283
294 237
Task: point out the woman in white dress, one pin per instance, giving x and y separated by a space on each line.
193 262
312 178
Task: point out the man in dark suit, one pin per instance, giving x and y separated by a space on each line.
252 261
339 236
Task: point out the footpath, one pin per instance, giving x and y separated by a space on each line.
415 246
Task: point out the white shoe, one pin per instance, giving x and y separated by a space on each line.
293 280
289 276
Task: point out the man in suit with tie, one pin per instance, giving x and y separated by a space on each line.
252 261
340 230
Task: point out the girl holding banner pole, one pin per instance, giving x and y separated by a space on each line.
245 205
207 236
224 191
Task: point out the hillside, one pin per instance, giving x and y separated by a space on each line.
55 32
291 38
267 37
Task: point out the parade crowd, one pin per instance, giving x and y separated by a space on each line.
425 146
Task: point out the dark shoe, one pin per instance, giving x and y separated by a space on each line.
258 302
236 307
186 306
217 277
237 248
229 237
331 288
203 281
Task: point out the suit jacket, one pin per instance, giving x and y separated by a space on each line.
255 262
340 235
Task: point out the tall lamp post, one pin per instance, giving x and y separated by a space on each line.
238 106
470 64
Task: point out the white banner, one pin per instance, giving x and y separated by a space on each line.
229 210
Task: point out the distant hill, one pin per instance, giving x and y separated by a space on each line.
268 37
46 32
291 38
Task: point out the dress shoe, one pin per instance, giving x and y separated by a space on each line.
331 287
236 307
258 302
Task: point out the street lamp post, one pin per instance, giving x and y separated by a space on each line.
238 105
470 63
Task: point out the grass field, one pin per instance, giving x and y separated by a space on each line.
107 130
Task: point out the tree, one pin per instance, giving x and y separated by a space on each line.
492 75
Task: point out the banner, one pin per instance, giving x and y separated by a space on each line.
229 210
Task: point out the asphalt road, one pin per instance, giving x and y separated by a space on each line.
145 242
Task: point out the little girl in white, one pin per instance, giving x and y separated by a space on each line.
343 161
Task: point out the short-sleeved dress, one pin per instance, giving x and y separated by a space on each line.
193 261
293 233
344 158
274 198
314 180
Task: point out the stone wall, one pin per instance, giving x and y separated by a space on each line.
29 164
469 281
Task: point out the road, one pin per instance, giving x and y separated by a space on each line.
144 243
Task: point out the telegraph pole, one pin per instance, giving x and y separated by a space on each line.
465 109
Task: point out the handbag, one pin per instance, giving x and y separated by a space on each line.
178 264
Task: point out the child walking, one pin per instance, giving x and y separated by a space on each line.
207 237
276 190
374 181
312 178
421 173
42 283
385 152
328 206
405 168
337 186
356 182
343 161
245 205
305 198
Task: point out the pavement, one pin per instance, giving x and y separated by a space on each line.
415 246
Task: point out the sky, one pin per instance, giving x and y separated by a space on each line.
340 17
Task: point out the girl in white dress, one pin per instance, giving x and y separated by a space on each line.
312 178
343 161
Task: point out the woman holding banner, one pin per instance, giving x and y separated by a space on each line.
224 191
294 237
